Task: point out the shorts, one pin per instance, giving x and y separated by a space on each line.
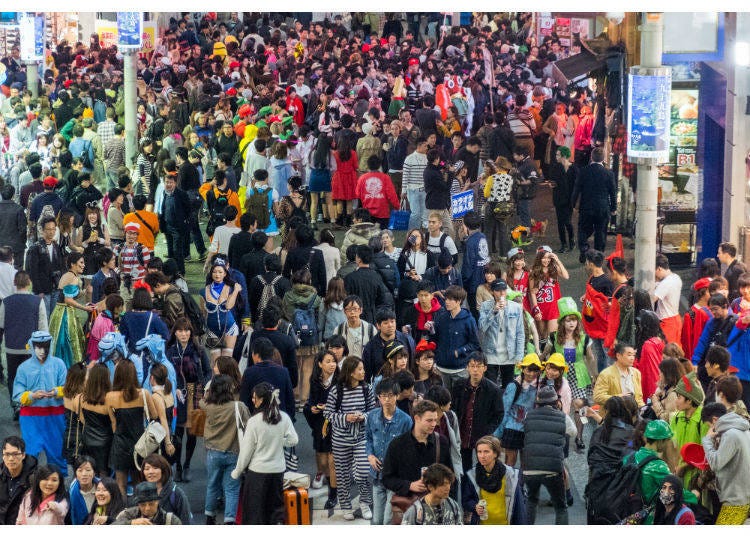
512 439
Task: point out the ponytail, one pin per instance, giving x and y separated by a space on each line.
269 402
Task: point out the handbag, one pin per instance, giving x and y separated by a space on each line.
503 210
151 437
401 503
196 420
399 220
292 460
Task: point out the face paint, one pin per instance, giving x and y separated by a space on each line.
666 497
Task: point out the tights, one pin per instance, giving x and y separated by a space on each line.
189 450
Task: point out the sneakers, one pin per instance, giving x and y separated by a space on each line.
366 512
349 515
317 483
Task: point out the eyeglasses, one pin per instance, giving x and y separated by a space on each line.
352 309
12 454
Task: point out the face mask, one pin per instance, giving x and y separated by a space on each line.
41 353
666 497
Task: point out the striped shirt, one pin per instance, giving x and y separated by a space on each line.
353 401
413 174
522 123
131 264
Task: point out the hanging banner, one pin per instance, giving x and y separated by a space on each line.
107 34
31 29
649 93
148 39
462 203
129 29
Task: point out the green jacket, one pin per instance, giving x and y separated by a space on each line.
298 298
688 431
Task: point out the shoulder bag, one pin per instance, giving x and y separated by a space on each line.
151 438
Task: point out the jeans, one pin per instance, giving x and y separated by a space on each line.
524 212
111 175
381 504
597 348
219 466
555 486
450 378
50 300
416 205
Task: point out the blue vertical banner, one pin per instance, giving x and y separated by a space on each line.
31 31
129 29
649 113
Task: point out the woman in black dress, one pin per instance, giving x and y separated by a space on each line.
97 428
71 400
125 405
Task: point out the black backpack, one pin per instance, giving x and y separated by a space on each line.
620 496
216 217
193 312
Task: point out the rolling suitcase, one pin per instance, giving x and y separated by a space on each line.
297 506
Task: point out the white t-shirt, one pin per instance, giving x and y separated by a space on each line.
433 244
222 236
667 293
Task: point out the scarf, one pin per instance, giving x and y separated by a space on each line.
493 481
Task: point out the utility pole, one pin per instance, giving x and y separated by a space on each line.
652 31
131 122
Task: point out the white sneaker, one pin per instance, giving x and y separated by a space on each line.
366 512
349 515
317 483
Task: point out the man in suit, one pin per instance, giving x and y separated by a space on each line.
44 263
596 188
727 254
620 379
175 217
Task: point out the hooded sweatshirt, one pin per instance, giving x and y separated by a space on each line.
299 298
728 455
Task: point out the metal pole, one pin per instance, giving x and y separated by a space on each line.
648 173
32 78
131 123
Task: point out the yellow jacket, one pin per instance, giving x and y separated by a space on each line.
608 385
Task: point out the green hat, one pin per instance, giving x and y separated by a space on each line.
265 111
512 294
689 388
567 306
261 124
658 429
287 121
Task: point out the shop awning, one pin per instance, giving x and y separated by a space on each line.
574 68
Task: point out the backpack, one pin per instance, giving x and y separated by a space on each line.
85 157
305 324
621 497
269 291
192 311
257 205
216 217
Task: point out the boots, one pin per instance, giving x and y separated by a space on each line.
333 499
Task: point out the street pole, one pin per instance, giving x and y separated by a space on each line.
32 78
648 171
131 123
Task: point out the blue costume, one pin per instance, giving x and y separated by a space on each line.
219 320
152 349
42 420
113 347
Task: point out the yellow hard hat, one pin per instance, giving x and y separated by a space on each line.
558 360
531 359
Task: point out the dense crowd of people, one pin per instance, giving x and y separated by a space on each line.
444 381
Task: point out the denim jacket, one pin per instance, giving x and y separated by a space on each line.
489 332
379 433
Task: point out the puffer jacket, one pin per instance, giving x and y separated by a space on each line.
387 269
728 455
358 234
544 440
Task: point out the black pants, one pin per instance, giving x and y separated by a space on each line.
176 246
745 391
196 235
467 459
14 361
179 439
263 499
564 227
383 222
555 485
497 232
592 223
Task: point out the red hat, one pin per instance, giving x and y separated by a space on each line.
694 455
67 83
234 65
383 41
413 61
232 91
425 345
245 111
49 182
365 48
132 227
702 283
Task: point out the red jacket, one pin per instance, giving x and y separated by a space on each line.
692 329
376 193
648 364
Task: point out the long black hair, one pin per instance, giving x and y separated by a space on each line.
116 502
317 371
647 325
661 517
43 473
269 405
616 410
